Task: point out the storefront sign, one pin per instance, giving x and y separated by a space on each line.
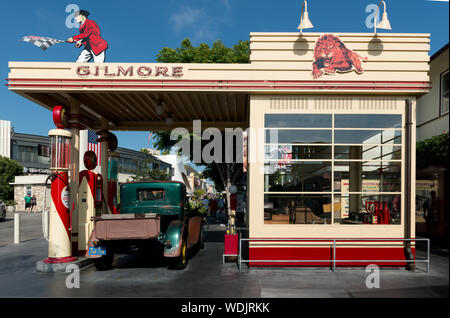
121 71
36 170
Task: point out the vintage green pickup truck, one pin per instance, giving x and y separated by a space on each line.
151 214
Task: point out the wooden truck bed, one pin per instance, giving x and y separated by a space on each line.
127 226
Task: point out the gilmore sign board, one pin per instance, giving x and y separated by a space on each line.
129 71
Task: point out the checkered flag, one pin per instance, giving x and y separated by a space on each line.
41 41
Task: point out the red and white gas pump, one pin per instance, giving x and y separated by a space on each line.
90 200
59 241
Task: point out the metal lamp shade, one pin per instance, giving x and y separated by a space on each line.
384 23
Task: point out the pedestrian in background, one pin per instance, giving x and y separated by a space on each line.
27 203
213 207
33 202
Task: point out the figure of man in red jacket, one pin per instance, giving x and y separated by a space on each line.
94 45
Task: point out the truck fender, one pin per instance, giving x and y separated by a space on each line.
175 234
194 226
90 244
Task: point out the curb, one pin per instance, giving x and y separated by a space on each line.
81 262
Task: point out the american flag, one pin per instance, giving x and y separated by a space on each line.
94 145
285 154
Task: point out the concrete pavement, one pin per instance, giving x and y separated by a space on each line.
146 276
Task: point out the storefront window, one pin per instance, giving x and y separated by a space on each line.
367 209
275 136
388 152
297 209
333 168
367 137
298 176
367 176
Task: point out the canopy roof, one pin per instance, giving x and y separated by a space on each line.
126 94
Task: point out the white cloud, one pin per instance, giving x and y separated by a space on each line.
188 17
227 4
197 24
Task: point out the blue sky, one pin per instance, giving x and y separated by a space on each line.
137 30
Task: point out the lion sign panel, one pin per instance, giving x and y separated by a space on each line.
331 56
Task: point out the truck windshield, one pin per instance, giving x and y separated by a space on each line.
151 194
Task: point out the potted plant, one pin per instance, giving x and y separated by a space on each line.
10 206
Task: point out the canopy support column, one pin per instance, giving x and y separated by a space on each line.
104 162
74 172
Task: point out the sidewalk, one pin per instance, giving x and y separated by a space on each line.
30 227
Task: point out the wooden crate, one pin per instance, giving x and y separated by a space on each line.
327 207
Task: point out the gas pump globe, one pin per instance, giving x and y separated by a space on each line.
113 172
60 149
59 247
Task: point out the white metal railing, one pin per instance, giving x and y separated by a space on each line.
333 260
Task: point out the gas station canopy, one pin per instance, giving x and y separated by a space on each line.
126 94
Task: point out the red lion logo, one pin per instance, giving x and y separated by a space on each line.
331 55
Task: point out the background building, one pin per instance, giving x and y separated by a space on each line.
432 108
432 179
33 153
5 138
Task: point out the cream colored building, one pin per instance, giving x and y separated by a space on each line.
353 122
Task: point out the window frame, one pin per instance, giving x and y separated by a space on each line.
333 144
441 96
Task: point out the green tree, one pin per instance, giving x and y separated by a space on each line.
433 151
218 53
148 171
8 170
222 174
148 174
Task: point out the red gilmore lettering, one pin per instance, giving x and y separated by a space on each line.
143 69
121 71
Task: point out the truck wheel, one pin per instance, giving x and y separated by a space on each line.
105 262
181 261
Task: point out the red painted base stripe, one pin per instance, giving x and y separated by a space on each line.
57 260
325 254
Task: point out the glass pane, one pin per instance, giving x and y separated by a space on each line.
297 152
368 121
427 203
367 176
368 152
297 209
297 176
367 136
275 136
367 209
297 121
150 194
